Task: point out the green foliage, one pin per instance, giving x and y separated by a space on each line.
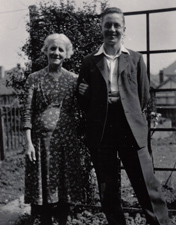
82 27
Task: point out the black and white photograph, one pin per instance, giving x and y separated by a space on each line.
87 112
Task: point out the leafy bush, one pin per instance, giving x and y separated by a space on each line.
81 27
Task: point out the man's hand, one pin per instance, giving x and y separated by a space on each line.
84 89
30 152
155 118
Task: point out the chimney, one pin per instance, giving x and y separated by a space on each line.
1 72
161 76
33 13
18 66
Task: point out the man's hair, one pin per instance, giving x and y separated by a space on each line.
112 10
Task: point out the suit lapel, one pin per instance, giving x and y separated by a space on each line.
101 64
123 62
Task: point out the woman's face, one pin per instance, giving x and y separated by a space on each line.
56 52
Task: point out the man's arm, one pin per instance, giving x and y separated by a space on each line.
143 84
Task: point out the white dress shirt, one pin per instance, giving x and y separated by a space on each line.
112 62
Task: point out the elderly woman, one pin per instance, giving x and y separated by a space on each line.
53 154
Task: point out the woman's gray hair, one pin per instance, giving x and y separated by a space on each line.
56 36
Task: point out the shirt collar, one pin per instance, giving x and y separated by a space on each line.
102 51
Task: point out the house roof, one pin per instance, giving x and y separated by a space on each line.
17 71
154 80
169 75
170 69
172 77
170 82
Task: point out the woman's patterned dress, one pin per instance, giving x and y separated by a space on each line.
59 172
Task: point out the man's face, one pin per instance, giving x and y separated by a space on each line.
112 28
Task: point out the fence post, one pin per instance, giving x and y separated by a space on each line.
2 146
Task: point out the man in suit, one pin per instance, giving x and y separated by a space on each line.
114 92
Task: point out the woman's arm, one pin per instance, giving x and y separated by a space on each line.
30 151
27 112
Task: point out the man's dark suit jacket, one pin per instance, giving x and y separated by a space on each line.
133 87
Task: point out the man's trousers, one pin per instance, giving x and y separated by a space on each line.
118 140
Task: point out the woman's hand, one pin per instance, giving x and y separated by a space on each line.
30 152
154 117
